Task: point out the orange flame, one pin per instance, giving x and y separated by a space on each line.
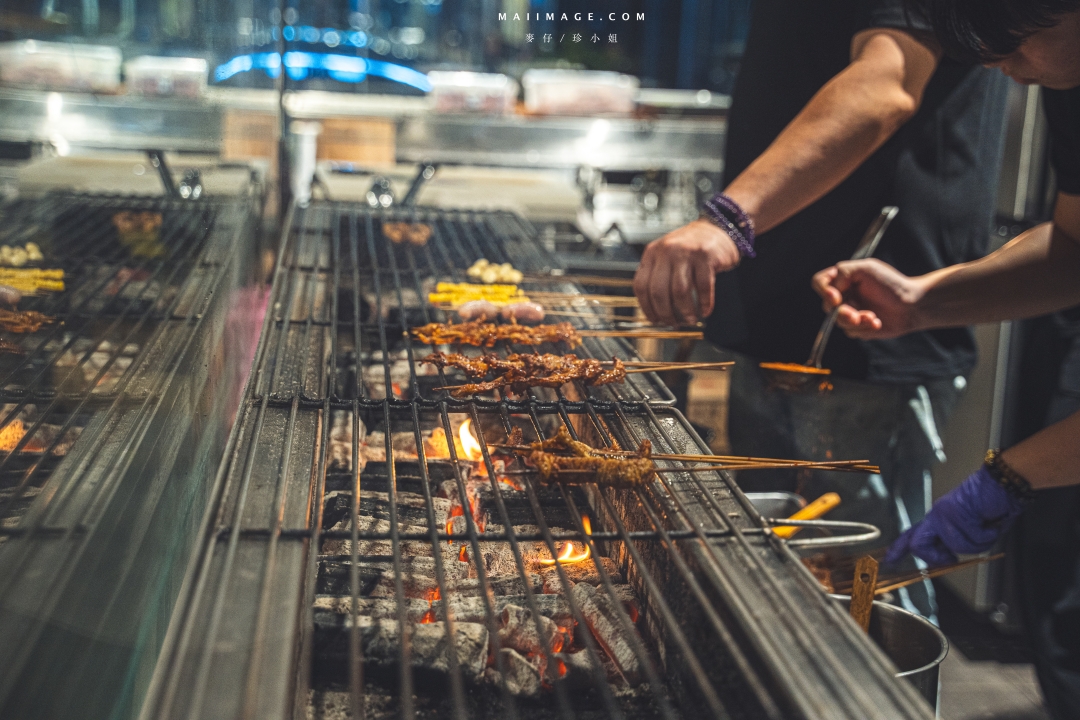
428 617
562 668
567 556
556 643
463 554
469 444
433 595
449 530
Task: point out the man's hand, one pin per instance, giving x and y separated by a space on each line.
876 301
677 266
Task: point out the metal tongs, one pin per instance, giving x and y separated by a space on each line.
789 377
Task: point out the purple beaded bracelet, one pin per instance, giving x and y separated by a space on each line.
726 214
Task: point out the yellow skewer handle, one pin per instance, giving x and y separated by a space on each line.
814 510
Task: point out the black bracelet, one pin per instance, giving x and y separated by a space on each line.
726 214
1014 483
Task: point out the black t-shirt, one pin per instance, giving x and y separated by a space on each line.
1063 117
940 169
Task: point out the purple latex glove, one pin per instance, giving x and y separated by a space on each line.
968 519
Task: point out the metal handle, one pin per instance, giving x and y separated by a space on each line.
870 240
869 532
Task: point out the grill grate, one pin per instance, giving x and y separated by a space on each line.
333 522
124 298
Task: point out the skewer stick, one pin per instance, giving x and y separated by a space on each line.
580 280
706 468
733 462
895 584
651 334
644 369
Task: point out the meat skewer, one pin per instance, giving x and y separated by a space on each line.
563 442
483 334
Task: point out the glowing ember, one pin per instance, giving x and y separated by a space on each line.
562 668
471 445
433 595
449 530
436 447
428 617
463 554
512 484
11 435
556 643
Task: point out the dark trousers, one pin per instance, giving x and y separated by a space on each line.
896 427
1048 540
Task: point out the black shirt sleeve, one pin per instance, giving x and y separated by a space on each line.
1063 117
892 14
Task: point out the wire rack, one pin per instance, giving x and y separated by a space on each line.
91 521
332 534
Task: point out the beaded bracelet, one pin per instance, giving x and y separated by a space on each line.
1014 483
726 214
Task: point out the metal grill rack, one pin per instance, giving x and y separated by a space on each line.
346 294
331 536
109 397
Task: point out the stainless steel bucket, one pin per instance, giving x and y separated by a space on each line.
914 644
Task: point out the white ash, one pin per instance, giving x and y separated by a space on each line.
518 630
601 616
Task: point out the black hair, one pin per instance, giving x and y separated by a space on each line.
988 30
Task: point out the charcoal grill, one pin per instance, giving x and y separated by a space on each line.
351 566
118 401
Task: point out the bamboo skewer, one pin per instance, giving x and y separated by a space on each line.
733 462
651 334
599 280
644 368
705 468
888 584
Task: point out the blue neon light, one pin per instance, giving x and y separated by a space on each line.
343 68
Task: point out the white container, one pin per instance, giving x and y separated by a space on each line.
578 92
166 76
472 92
60 66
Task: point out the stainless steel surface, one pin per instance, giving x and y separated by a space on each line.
73 120
607 144
866 248
776 504
914 644
861 533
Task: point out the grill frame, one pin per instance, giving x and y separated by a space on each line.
90 545
796 653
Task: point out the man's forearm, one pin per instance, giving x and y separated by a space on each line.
1051 457
1037 273
841 126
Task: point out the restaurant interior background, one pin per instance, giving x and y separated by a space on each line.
186 97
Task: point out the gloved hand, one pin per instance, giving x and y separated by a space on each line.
967 519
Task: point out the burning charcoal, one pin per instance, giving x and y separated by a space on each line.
341 431
552 584
518 631
373 448
582 572
601 616
522 677
411 508
577 670
626 595
377 577
464 609
380 644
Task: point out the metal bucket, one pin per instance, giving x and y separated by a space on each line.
914 644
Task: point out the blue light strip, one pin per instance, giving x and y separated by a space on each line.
344 68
